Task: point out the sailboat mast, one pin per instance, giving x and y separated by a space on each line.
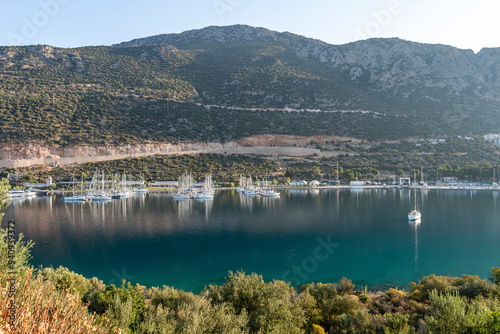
414 180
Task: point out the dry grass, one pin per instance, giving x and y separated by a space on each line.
41 308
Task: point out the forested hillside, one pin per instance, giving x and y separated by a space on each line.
223 83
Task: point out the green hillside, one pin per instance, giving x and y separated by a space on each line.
224 83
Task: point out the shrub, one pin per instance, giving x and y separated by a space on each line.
473 286
312 312
271 307
495 275
156 321
345 286
42 308
124 305
491 324
320 291
448 313
63 279
22 251
363 298
396 323
346 304
169 298
431 283
317 329
359 322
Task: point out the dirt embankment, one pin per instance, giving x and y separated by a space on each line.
35 151
38 151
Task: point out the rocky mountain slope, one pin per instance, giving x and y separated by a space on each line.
220 84
396 71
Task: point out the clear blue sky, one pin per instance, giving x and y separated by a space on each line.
71 23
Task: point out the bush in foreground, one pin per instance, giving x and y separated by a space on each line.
42 308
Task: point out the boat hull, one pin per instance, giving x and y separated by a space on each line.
414 215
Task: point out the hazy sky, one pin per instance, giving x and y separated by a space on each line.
70 23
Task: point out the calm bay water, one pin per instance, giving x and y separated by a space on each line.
304 236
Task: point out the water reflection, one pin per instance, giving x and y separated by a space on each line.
192 243
184 209
206 205
247 202
414 226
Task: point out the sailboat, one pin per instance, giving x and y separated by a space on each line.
122 191
268 192
141 190
425 185
414 215
250 189
241 188
100 194
493 183
184 188
73 198
208 189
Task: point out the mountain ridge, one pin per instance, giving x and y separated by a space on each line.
448 61
229 30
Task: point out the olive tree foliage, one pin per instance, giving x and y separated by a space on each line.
495 275
4 196
272 307
21 248
451 313
63 278
176 311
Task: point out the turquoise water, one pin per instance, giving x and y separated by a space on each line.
304 236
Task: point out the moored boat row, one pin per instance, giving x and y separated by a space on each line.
103 190
22 194
248 188
186 191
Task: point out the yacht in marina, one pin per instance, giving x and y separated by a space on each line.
121 190
21 194
99 192
184 191
208 189
73 198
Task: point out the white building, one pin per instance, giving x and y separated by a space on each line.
492 138
298 183
165 184
357 184
48 183
449 179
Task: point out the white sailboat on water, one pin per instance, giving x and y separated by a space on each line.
100 194
267 191
73 198
121 190
208 189
142 189
183 188
242 184
250 189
